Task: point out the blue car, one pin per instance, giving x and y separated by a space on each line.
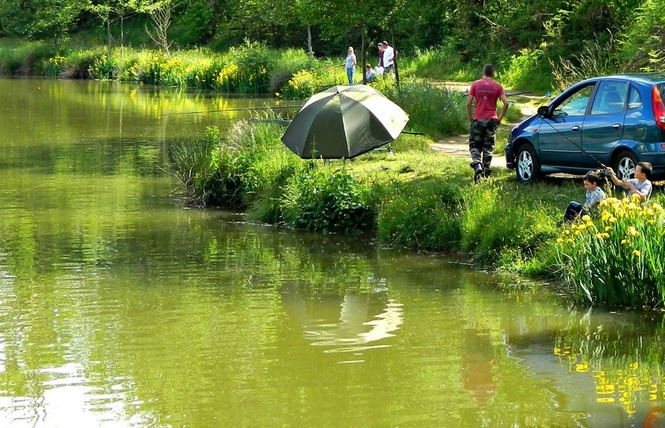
614 121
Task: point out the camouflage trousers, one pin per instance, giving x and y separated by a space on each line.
481 141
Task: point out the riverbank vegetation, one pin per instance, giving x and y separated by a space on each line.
421 200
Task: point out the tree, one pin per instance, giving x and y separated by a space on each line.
41 20
110 10
160 12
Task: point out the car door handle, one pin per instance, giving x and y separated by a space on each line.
575 128
616 126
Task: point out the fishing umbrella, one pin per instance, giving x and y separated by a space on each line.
344 122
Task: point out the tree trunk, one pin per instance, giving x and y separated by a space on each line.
310 50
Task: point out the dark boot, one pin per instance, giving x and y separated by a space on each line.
477 171
487 172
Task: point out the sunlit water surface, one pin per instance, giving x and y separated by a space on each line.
119 308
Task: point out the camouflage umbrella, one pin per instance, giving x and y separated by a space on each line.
344 122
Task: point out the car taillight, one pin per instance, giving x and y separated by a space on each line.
658 108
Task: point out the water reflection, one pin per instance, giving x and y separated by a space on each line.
349 323
478 375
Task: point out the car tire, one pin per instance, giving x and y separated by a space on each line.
527 164
624 166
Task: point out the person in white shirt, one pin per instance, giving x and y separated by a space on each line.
388 57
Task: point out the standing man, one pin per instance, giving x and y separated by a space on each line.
484 120
388 58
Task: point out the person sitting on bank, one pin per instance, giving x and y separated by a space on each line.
370 75
640 185
594 194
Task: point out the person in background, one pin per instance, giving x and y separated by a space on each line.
380 64
388 57
594 194
370 75
640 185
483 120
350 65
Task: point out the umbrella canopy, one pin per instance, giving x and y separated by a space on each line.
343 122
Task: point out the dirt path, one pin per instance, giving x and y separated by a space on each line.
458 145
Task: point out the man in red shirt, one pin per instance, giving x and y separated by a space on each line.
484 120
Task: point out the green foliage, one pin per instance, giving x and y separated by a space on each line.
435 109
191 167
619 258
24 58
423 215
103 67
79 62
54 66
500 230
643 38
194 26
326 200
301 86
529 69
596 59
287 66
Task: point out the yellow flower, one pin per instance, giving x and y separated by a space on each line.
625 241
586 218
582 368
559 241
637 253
632 231
607 228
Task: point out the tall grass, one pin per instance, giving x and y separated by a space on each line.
618 258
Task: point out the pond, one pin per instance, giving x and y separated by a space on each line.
120 308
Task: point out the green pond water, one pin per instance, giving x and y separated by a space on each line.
120 308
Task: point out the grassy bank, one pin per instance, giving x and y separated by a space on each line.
419 200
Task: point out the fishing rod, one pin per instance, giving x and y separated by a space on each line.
234 109
602 165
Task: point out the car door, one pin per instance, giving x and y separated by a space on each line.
559 135
603 126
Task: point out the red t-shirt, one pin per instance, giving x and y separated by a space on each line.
486 91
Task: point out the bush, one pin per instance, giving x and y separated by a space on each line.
325 200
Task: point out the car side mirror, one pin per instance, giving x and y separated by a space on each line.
543 111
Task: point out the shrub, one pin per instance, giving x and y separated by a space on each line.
322 200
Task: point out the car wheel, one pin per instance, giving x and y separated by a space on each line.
625 165
528 165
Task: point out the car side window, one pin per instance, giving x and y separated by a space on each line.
610 98
575 104
634 98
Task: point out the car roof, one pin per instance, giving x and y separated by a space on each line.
648 78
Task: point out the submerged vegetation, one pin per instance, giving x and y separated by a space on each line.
425 201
